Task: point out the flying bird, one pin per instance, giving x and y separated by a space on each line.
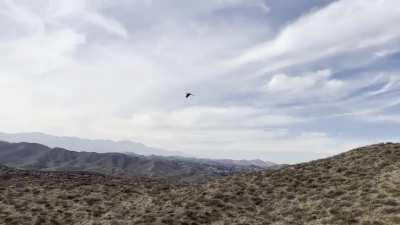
189 94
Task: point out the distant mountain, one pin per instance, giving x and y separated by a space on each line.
40 157
127 147
80 144
254 162
227 162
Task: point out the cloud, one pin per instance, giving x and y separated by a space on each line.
108 24
332 30
386 52
211 118
39 53
203 126
320 82
383 118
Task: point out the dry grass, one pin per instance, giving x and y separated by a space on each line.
358 187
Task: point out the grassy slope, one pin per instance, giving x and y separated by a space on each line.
358 187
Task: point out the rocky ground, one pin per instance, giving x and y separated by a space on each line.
361 186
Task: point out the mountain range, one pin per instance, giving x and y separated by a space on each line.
109 146
81 144
40 157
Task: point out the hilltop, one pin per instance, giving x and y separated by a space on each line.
357 187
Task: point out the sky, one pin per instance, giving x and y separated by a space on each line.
284 81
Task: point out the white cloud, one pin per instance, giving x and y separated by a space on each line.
211 118
39 53
379 118
386 52
343 26
108 24
308 88
320 80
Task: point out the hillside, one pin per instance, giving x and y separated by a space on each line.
40 157
357 187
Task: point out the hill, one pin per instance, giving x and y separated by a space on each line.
40 157
357 187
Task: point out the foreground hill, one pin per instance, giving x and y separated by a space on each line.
40 157
357 187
